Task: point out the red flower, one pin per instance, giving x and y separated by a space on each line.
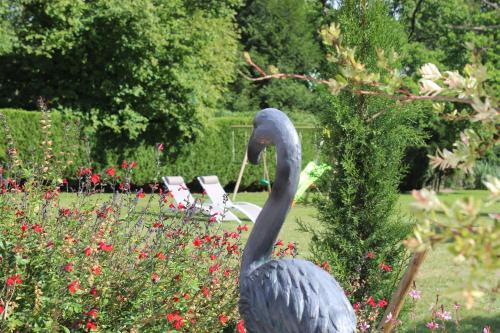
1 309
111 171
95 178
155 278
105 247
214 268
92 313
96 269
181 205
91 326
197 241
24 226
385 268
223 319
371 301
73 286
243 228
157 224
212 257
88 251
176 319
382 303
124 164
356 306
279 242
370 255
241 326
326 266
291 246
160 256
133 165
14 279
140 194
69 267
93 291
84 171
160 147
142 255
205 291
37 228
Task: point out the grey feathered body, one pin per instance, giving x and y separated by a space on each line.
294 296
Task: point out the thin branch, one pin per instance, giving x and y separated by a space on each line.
475 28
414 18
492 4
404 96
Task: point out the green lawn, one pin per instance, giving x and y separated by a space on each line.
437 276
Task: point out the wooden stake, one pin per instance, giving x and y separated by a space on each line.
266 171
399 295
242 169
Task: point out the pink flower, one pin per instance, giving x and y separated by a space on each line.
364 326
414 293
432 325
444 315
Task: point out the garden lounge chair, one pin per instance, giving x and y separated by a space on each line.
181 194
220 199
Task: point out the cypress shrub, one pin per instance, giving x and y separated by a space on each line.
361 230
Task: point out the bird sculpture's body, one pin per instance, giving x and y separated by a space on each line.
285 296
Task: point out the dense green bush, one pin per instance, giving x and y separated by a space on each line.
136 70
218 150
26 130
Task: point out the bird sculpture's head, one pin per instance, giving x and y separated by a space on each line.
266 126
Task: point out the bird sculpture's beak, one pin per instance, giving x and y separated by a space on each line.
255 147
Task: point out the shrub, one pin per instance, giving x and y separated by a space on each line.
113 262
218 150
365 146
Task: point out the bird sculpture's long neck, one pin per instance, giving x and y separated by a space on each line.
268 224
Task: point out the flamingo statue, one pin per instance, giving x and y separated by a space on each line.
292 295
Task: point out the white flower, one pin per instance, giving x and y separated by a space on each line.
454 80
426 200
430 72
493 184
429 87
444 315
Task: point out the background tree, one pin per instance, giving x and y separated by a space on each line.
448 34
283 34
138 71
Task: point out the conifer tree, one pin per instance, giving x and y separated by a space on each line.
361 229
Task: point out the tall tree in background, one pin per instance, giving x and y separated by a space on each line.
139 71
283 34
361 230
447 33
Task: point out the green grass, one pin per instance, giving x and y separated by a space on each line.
438 275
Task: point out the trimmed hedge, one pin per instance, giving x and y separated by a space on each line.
218 150
28 137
